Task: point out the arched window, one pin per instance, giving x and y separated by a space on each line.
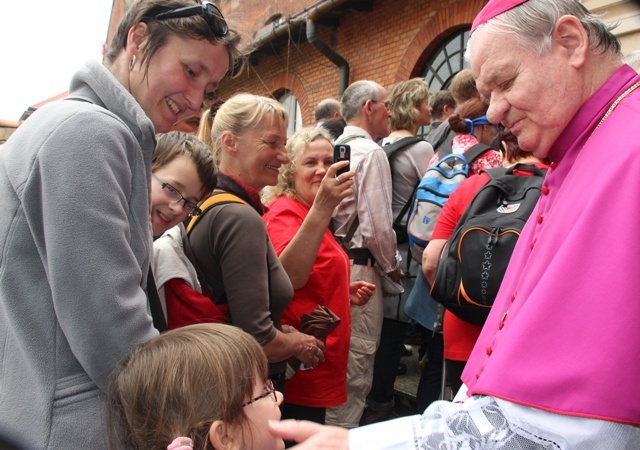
446 61
290 103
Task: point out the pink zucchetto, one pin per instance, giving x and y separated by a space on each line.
492 9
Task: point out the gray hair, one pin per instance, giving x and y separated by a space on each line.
326 108
532 23
356 95
297 144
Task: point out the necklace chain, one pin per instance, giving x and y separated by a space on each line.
615 104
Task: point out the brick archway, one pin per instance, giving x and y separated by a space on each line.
441 24
291 82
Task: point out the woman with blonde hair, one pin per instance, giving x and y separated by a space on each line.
202 386
229 240
300 210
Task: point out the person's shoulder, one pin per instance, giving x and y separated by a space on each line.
283 202
469 187
284 205
421 146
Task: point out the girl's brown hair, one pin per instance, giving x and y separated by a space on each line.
179 383
471 109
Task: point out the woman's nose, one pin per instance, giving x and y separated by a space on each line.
283 156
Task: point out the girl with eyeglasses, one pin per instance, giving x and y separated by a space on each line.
76 239
198 387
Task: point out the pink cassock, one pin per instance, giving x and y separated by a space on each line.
564 332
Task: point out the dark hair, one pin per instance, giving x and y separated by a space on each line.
326 108
178 143
194 27
471 109
334 126
439 100
513 152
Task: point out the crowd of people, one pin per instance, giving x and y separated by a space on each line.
181 277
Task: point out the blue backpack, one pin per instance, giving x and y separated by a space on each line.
432 193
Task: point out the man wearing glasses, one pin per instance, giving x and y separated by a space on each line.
363 221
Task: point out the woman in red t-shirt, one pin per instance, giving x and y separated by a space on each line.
300 210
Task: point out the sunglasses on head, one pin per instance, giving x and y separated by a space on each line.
210 12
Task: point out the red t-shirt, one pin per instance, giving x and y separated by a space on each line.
186 306
328 285
459 335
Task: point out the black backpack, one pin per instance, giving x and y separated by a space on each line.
474 259
390 150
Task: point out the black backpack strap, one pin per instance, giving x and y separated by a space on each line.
475 151
405 209
346 240
391 149
157 314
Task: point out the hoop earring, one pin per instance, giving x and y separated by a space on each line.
132 63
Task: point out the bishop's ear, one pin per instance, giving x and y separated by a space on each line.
571 36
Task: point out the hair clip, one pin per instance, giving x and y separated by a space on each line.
181 443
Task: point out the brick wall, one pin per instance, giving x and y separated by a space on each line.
386 45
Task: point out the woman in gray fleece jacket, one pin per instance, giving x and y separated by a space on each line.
75 238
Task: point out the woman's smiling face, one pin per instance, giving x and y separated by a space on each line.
260 153
178 76
311 168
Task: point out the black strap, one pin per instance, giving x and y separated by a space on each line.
475 151
391 149
157 315
346 240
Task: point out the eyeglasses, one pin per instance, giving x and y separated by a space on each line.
176 197
386 104
211 13
268 390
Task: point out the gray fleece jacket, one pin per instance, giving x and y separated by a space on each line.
75 244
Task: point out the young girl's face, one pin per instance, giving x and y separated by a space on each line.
180 175
263 406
